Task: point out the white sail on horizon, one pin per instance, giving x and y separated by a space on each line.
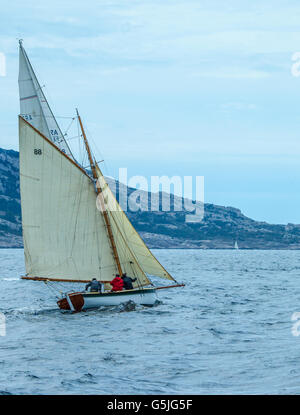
34 106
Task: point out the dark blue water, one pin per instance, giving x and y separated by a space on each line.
228 331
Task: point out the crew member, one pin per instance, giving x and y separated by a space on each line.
94 285
128 282
117 283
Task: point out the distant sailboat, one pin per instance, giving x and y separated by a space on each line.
66 237
236 245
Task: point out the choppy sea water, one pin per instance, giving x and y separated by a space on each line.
228 331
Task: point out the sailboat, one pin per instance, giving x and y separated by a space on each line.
73 227
236 245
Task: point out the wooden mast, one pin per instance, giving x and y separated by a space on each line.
99 192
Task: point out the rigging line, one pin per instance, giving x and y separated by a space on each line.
125 243
40 87
26 250
71 138
79 142
99 152
77 214
51 288
47 116
81 147
85 167
65 117
98 243
141 287
48 94
61 285
66 132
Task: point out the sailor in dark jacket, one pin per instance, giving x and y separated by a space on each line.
128 282
94 285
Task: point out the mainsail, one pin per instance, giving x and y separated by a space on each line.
34 106
65 234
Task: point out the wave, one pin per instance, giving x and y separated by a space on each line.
28 311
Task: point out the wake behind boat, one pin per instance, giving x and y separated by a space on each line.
73 227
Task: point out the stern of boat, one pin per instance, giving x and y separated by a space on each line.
72 301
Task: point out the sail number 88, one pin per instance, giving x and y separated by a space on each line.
37 151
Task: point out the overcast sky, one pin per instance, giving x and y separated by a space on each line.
173 87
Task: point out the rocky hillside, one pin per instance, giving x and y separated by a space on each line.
220 228
10 210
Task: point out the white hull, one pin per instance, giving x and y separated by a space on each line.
85 300
145 297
